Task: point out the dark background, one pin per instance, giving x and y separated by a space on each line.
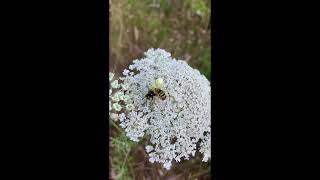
264 63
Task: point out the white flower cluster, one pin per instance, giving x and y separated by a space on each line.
178 126
118 100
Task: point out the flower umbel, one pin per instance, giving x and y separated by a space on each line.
178 126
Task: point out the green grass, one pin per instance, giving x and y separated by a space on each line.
119 156
204 63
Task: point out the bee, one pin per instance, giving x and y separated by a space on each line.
155 90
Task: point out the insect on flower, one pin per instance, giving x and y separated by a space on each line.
180 125
155 90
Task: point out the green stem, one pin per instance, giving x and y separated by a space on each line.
125 159
115 125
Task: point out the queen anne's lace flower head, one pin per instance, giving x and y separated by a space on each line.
177 126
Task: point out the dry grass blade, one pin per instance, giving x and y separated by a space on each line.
136 33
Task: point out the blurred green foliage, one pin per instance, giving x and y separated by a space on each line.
204 63
179 27
199 7
119 156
